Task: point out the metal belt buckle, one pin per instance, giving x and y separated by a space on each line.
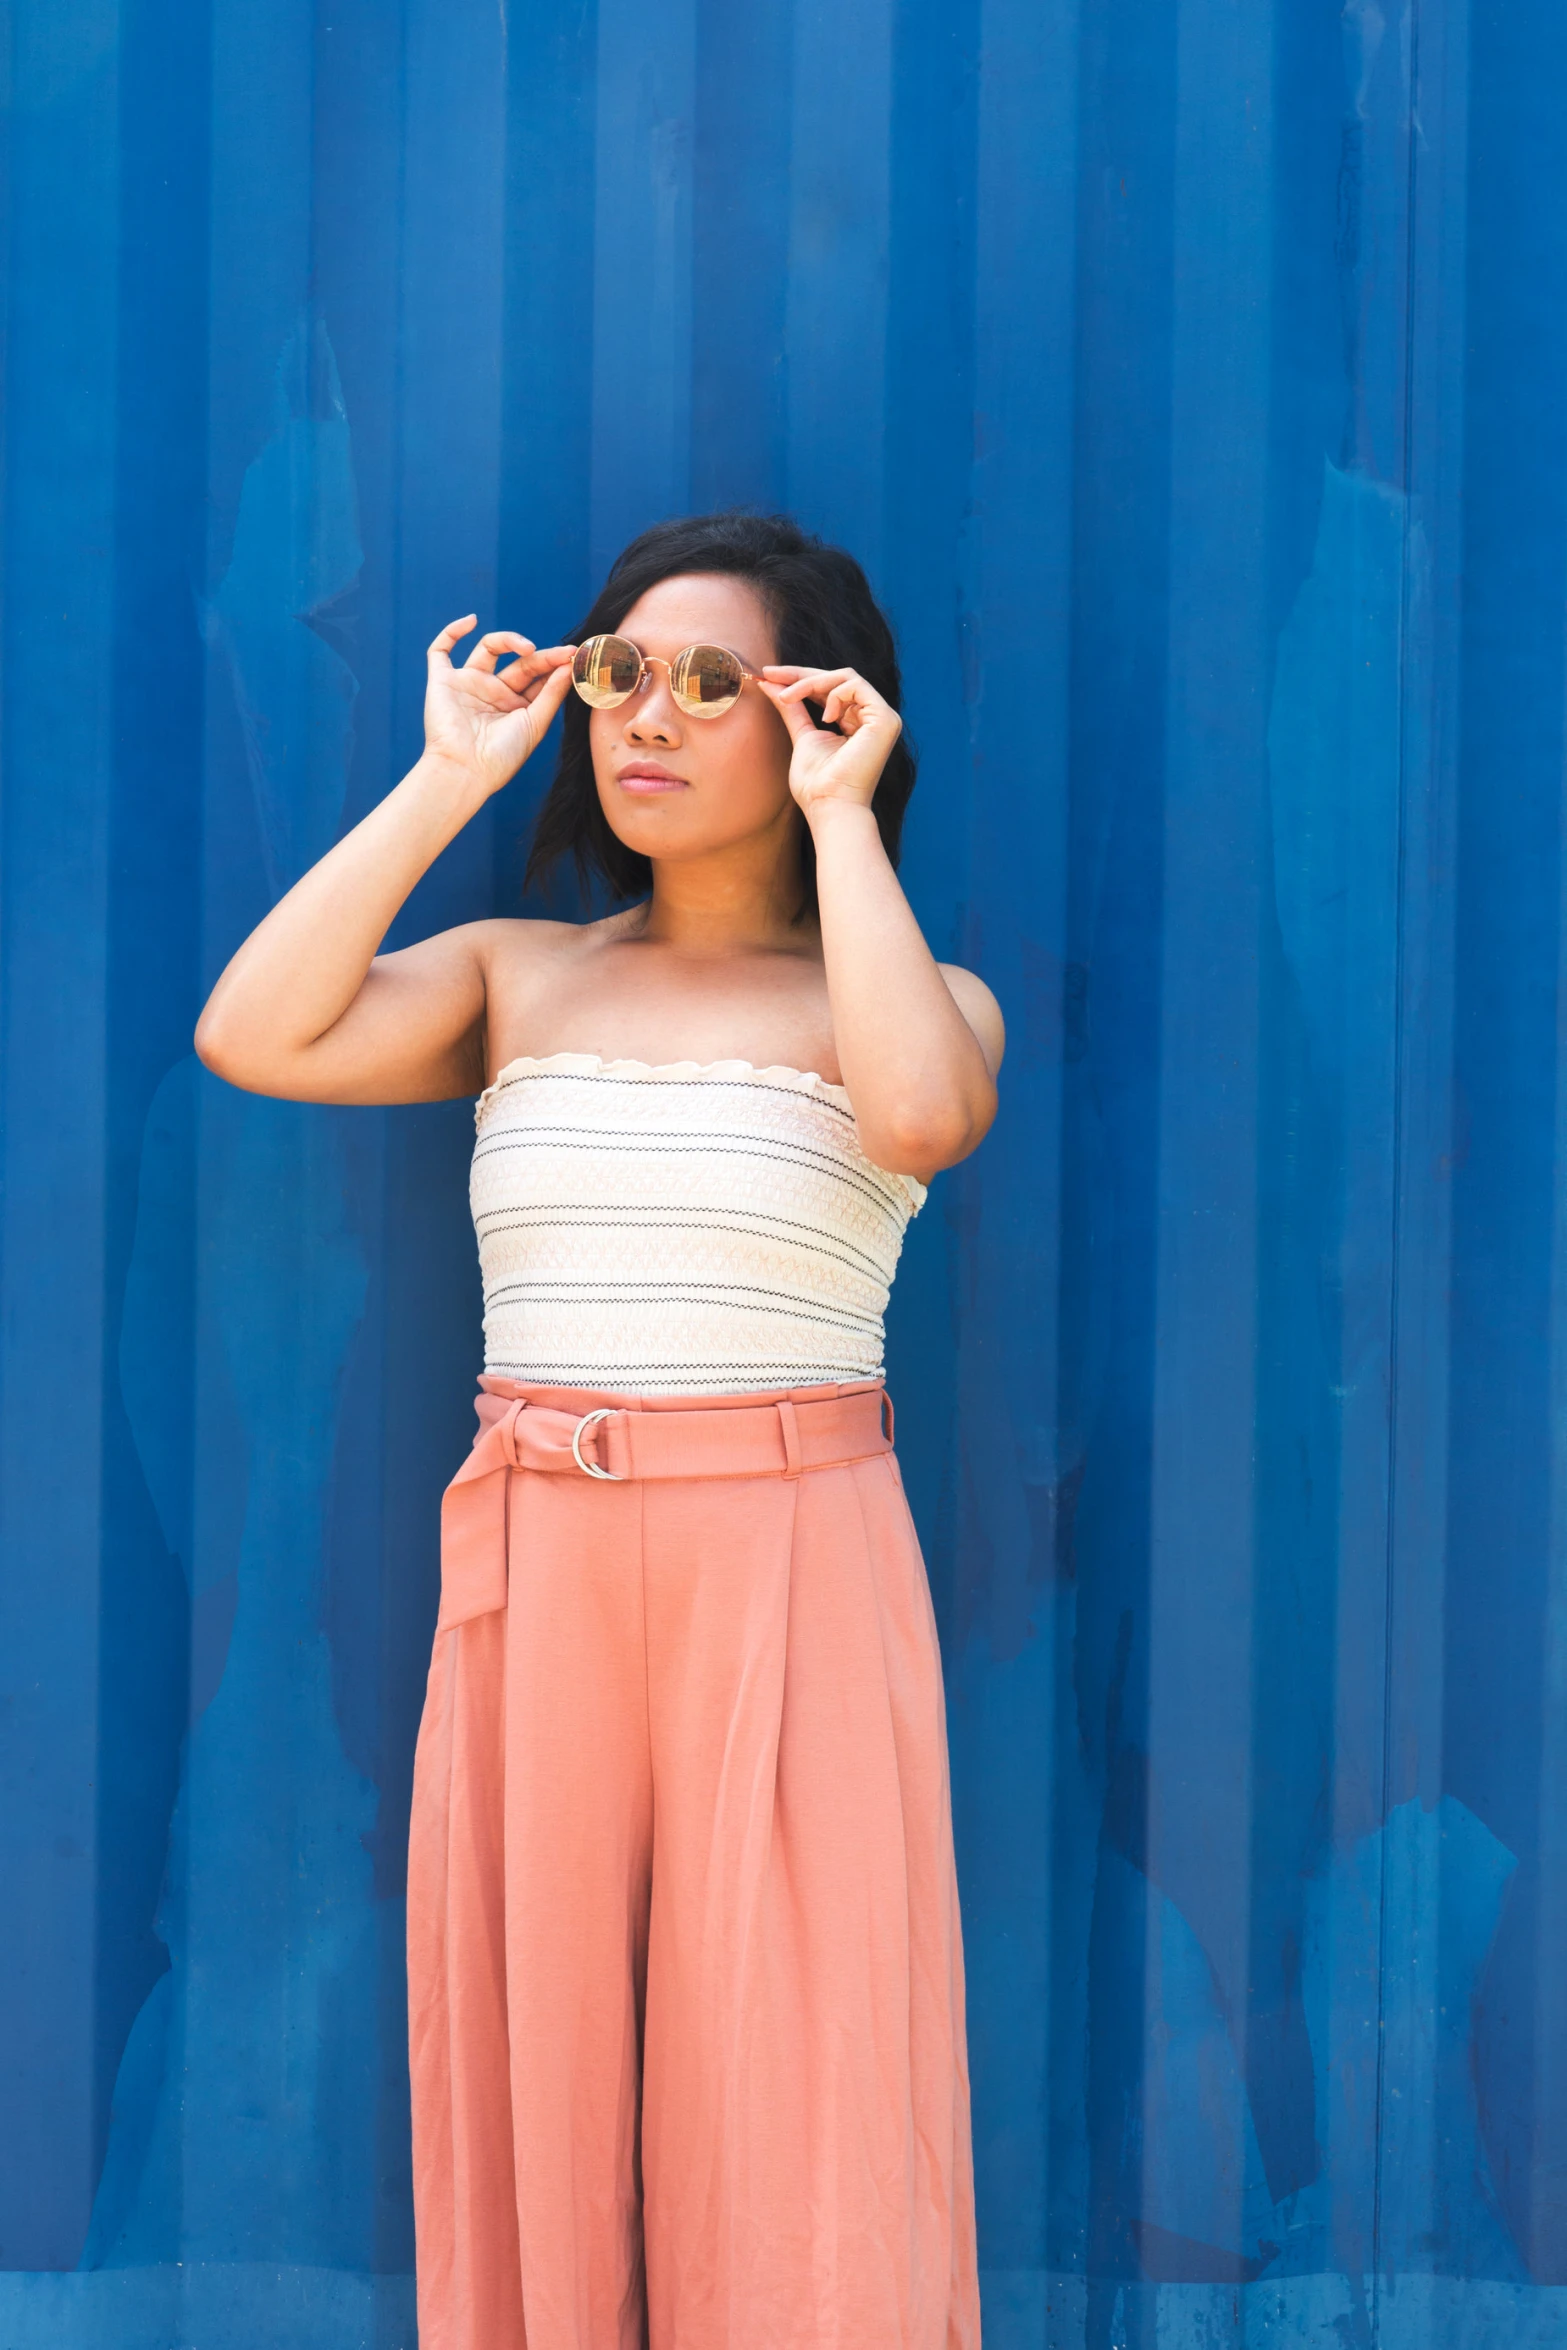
604 1412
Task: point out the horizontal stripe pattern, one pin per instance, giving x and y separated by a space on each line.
692 1228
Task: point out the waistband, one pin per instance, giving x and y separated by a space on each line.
622 1443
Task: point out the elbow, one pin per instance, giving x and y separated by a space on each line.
216 1050
208 1041
922 1144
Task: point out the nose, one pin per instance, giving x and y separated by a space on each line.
654 715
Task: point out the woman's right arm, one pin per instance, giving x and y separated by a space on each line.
307 1009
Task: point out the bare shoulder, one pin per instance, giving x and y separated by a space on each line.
484 946
520 945
979 1008
509 944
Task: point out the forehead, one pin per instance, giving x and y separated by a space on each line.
702 608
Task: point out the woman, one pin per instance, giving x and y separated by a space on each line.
685 1970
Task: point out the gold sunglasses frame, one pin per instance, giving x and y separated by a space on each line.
650 661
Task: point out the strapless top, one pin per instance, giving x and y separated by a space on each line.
697 1227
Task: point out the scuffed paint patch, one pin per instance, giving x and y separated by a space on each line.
1204 2196
296 556
1031 2309
1037 2309
246 2109
1397 1932
236 2305
254 2064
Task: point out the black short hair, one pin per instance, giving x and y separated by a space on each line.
824 616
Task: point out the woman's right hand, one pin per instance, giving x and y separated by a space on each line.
485 722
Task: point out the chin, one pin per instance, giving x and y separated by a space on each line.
679 825
659 821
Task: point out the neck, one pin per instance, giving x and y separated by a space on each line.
733 900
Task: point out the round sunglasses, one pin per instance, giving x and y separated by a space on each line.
704 680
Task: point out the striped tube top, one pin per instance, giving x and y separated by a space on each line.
697 1227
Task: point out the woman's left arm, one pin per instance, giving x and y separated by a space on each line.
919 1042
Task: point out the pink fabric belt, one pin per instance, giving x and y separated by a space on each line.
620 1443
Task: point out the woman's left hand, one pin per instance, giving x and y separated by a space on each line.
845 765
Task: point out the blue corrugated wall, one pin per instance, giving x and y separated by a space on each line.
1191 375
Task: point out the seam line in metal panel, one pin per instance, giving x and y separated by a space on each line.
1395 1236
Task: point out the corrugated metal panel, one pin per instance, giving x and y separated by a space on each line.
1191 380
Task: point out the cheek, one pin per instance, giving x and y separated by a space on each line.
602 736
761 746
744 766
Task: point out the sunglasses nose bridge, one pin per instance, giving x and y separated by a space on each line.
638 703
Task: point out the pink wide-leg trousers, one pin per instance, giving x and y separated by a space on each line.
685 1968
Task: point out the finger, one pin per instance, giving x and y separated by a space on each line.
813 684
440 652
541 658
490 647
850 694
866 704
548 698
794 714
524 674
790 669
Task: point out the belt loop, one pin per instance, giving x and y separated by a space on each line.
508 1427
791 1438
617 1431
886 1415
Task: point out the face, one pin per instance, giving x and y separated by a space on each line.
672 786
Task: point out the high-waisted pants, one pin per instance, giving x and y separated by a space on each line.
685 1970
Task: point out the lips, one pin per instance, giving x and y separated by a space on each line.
650 778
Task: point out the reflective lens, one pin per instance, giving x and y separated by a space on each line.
706 680
605 671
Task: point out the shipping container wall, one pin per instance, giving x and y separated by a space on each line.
1190 376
